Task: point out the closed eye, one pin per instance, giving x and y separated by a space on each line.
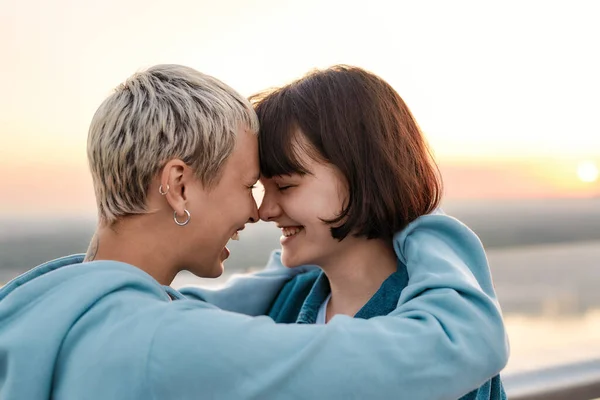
282 188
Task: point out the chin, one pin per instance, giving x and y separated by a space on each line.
290 261
214 271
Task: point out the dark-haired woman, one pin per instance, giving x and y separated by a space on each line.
348 178
350 181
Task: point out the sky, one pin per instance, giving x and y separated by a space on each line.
507 93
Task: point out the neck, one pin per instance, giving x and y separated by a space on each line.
357 274
133 242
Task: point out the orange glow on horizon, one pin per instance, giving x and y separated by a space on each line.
66 188
504 120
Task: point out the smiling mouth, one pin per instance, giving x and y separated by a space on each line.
289 231
236 234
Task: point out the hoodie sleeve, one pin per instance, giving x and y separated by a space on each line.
445 338
250 294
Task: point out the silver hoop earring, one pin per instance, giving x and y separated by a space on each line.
182 223
160 190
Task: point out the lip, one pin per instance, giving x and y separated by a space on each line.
236 234
286 240
289 226
225 253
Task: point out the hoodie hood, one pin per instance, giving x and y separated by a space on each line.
39 308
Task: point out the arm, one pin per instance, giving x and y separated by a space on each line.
445 338
250 294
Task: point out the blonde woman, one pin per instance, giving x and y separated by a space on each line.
174 155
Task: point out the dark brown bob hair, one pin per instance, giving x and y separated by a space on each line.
356 121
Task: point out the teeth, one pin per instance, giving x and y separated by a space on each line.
235 236
287 232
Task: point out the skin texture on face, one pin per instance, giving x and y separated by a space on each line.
300 203
220 211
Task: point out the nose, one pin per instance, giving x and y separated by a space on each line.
269 209
254 216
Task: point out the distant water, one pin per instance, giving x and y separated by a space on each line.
540 341
544 256
543 253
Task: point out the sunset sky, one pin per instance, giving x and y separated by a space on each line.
507 93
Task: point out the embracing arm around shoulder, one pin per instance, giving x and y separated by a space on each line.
445 338
250 294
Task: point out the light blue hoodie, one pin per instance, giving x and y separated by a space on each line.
107 330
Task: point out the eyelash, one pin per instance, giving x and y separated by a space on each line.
282 188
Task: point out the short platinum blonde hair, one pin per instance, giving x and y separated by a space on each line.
165 112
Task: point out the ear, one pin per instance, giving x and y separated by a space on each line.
173 180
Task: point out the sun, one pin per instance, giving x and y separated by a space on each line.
587 171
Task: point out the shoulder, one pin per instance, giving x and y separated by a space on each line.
441 234
443 244
440 226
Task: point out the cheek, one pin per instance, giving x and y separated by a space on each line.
327 206
297 207
310 214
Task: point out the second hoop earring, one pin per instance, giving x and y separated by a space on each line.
182 223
